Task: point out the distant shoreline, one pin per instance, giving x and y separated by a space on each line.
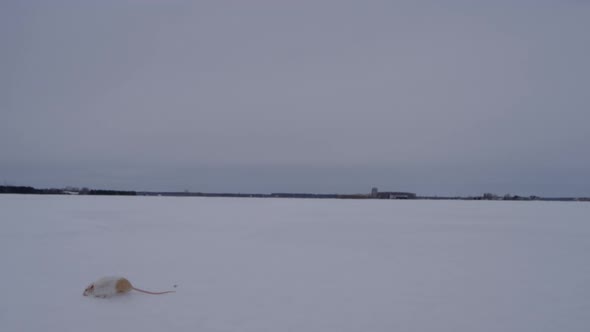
390 196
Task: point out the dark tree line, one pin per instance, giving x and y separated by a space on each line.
112 192
29 190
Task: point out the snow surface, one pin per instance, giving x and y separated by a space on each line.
294 264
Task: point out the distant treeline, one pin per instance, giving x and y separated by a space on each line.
380 195
28 190
111 192
31 190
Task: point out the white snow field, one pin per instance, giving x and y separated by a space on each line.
294 265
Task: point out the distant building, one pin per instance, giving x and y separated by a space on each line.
374 192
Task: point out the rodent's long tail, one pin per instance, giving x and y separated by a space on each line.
153 293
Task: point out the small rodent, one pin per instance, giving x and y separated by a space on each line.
109 286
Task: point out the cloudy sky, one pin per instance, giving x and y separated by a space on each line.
435 97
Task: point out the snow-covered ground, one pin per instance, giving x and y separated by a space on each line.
294 265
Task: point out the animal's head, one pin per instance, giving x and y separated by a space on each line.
89 290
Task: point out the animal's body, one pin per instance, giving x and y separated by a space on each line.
109 286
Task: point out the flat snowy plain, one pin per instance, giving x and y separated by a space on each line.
294 264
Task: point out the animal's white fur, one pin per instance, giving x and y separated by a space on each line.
104 287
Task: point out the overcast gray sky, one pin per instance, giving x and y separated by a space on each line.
435 97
